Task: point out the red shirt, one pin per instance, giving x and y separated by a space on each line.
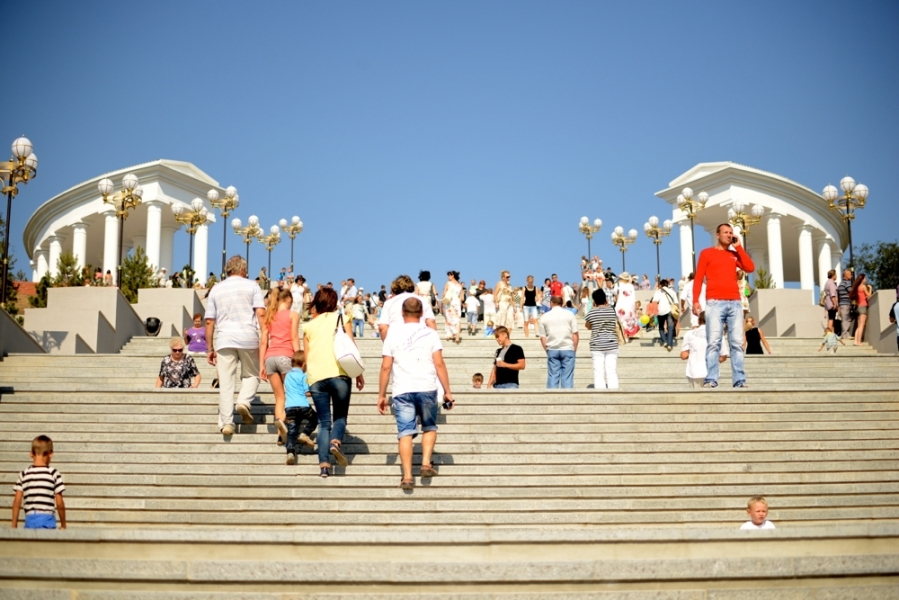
555 288
719 268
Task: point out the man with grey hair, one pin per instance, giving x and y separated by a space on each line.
234 313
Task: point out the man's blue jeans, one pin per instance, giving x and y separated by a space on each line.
717 314
560 367
357 328
666 329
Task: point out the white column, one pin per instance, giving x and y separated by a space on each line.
201 253
825 262
167 248
154 232
838 264
775 250
55 250
686 260
110 243
40 257
79 243
806 259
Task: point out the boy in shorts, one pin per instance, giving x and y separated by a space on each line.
413 354
757 509
296 404
39 490
471 308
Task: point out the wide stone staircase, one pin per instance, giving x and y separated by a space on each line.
636 493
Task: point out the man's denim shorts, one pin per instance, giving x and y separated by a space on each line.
407 407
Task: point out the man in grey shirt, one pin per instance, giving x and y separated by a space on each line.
830 297
558 335
845 303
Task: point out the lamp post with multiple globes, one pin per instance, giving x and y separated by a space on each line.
21 168
193 218
656 233
270 241
292 229
622 241
745 221
225 206
691 207
129 198
853 198
588 230
248 233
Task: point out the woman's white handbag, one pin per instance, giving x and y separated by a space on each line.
346 352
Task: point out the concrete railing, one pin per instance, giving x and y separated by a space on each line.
14 338
879 332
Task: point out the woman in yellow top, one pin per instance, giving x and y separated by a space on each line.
328 383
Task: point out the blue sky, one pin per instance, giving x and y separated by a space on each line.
460 135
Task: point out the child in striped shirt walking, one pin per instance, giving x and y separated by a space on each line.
39 490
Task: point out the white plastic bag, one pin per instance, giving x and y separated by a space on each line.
346 352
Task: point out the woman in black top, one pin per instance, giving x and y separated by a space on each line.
530 301
754 338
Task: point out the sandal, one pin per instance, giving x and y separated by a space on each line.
407 484
338 455
428 471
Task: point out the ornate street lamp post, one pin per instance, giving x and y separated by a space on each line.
248 233
129 198
745 221
622 241
295 227
21 168
691 207
656 233
192 219
225 206
270 241
853 198
588 230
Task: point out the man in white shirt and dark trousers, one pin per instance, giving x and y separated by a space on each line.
414 356
559 337
234 313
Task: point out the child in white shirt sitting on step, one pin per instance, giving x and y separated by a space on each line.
693 351
757 509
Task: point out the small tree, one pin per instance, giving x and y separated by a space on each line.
39 300
880 262
68 273
137 274
11 287
763 280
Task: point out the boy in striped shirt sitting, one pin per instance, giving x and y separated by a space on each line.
39 490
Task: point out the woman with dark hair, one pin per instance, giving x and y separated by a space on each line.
425 289
859 294
328 382
452 306
602 323
195 337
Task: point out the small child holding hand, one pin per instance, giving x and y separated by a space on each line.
39 490
297 406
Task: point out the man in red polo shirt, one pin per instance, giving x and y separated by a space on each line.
555 287
718 266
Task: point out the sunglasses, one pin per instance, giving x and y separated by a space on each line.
177 349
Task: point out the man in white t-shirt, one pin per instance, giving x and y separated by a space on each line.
392 311
413 355
472 305
234 313
558 334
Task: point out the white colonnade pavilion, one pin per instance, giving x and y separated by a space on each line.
799 239
78 221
